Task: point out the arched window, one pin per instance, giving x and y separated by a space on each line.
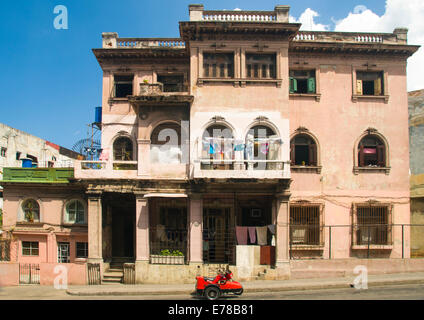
303 151
371 152
75 212
31 210
263 144
165 146
217 146
123 149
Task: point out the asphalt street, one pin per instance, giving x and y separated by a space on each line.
392 292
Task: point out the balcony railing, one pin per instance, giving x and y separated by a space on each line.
131 43
253 16
39 175
352 37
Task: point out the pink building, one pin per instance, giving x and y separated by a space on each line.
245 142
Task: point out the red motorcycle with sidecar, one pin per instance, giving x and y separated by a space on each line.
213 288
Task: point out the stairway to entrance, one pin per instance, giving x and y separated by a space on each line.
115 273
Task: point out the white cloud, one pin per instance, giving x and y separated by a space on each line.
307 20
399 13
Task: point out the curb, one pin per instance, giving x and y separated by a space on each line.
345 285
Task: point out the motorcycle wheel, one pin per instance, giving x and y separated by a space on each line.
212 293
239 292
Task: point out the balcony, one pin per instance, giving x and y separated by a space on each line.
38 175
227 159
159 94
106 169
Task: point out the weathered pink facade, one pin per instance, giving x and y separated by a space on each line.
256 81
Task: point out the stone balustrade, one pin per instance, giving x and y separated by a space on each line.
397 37
254 16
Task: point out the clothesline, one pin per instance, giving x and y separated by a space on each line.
257 235
241 141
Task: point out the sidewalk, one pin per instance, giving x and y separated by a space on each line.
249 286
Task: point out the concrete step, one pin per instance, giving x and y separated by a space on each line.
114 274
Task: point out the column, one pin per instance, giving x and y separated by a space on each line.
143 165
52 248
142 245
282 235
95 254
195 225
142 229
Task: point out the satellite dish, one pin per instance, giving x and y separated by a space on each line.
89 148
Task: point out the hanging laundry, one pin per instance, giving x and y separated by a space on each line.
262 235
211 148
239 147
252 234
264 148
271 228
241 234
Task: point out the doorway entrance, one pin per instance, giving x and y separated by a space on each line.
218 236
120 226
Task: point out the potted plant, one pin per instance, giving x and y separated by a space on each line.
29 213
167 256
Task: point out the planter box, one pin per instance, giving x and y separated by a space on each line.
158 259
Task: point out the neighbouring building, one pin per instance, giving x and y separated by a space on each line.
244 142
18 148
416 141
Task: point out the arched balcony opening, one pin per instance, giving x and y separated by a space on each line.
262 148
217 148
165 144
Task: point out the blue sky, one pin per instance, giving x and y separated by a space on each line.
50 80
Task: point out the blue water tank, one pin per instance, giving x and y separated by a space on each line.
98 115
26 163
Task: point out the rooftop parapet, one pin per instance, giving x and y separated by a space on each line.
112 41
399 36
280 14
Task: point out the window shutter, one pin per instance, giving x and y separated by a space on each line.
359 87
361 156
293 85
377 87
381 156
292 154
312 154
311 85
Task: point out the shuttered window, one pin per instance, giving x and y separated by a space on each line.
260 66
371 152
302 81
218 65
369 83
303 151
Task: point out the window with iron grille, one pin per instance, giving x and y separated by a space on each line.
82 250
372 224
305 224
218 65
30 248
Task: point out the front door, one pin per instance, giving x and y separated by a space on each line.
63 252
123 232
218 236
